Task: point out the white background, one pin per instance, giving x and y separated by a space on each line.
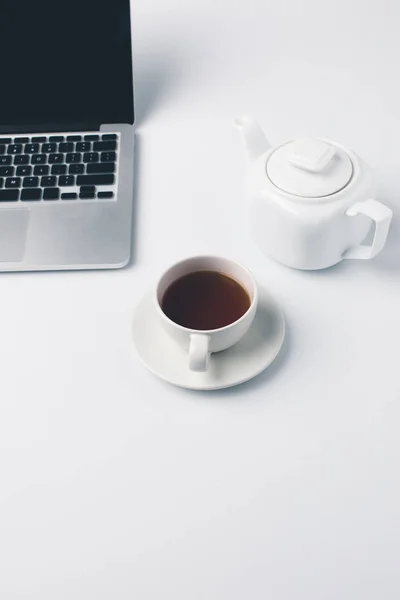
114 485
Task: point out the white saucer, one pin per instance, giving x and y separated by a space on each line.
249 357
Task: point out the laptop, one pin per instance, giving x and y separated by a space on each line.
66 134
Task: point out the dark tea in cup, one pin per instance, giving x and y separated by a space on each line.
205 300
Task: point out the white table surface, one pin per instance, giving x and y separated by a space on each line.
114 485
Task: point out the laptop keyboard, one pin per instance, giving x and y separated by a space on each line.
58 167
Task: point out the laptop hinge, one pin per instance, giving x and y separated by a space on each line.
49 127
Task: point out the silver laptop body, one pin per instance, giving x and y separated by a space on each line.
66 191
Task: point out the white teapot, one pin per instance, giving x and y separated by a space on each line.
312 201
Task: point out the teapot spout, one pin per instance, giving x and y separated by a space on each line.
254 139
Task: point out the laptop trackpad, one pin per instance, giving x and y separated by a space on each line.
13 232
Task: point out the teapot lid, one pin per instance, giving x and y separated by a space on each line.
309 168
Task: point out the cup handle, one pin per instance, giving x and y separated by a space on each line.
382 216
199 353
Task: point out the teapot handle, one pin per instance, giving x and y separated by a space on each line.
382 216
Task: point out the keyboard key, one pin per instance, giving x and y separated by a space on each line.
3 149
58 169
82 147
74 138
95 180
48 181
109 136
31 182
13 182
41 170
66 180
105 195
51 194
5 160
89 157
87 189
22 140
56 158
104 146
47 148
76 169
20 159
1 182
39 159
87 196
70 196
9 195
101 168
38 140
76 157
24 171
34 194
56 138
108 157
15 149
7 140
87 138
31 148
66 147
7 171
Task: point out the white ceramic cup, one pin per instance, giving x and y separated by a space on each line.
200 344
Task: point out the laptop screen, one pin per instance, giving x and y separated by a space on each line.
65 62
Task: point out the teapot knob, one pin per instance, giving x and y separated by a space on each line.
311 155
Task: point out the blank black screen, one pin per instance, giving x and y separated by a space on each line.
65 61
